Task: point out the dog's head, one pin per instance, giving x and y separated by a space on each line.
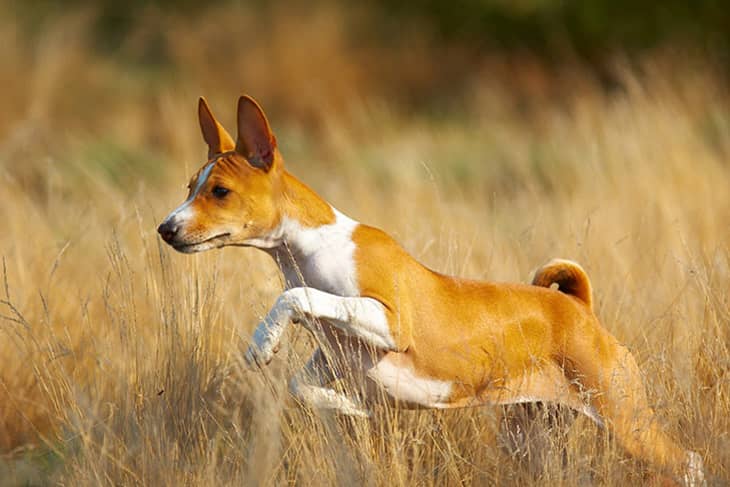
232 199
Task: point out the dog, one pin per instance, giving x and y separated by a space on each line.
418 337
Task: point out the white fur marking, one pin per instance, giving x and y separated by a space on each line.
308 385
320 257
363 318
183 212
326 398
403 384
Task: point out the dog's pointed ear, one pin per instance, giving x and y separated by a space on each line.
255 140
214 134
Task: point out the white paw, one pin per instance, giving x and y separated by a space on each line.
266 338
356 412
256 357
695 475
264 344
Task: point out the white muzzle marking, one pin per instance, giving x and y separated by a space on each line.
184 212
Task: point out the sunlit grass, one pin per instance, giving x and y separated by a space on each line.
121 358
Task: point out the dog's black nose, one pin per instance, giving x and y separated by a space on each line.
167 231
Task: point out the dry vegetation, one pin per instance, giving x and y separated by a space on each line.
121 358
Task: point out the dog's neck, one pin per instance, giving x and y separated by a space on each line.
300 203
312 238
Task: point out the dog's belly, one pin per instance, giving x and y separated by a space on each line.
394 374
371 372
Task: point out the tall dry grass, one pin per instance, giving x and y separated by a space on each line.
121 358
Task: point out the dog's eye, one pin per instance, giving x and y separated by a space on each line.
220 191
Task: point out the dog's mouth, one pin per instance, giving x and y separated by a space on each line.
208 243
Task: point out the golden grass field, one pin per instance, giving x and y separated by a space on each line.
121 358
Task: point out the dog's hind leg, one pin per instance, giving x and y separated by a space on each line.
545 383
620 398
522 434
309 386
535 435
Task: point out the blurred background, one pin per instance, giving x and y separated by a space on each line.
488 136
422 57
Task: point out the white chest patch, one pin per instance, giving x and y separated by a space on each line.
402 383
323 256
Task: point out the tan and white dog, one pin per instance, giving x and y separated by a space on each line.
423 338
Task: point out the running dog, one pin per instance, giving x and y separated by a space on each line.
423 338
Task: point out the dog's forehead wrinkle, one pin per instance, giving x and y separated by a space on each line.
225 167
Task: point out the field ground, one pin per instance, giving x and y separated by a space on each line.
121 358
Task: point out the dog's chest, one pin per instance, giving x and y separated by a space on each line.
323 258
329 271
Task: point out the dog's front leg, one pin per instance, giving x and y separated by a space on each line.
363 318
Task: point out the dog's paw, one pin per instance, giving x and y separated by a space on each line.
356 412
695 474
260 354
256 358
264 344
266 338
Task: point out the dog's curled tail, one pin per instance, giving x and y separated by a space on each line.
570 278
